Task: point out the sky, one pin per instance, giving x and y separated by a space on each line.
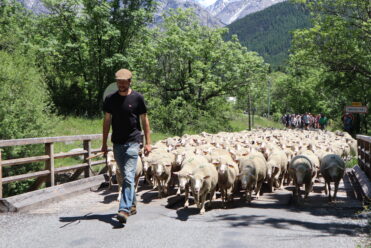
206 2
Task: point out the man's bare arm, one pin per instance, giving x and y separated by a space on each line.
106 128
147 133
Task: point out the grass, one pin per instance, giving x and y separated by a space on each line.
352 162
70 126
77 125
241 122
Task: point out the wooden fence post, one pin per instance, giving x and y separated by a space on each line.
87 147
367 154
49 164
359 152
1 178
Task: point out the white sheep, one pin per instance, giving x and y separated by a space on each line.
203 182
332 169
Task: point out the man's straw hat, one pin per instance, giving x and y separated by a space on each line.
123 74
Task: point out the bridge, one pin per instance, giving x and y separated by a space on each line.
81 213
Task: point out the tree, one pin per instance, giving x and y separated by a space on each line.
338 46
25 106
81 45
188 66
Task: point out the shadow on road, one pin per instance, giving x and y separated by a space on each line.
107 218
149 196
110 198
185 213
332 228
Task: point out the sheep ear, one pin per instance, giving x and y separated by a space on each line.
206 177
176 173
190 175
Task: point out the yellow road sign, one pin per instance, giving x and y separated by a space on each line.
357 104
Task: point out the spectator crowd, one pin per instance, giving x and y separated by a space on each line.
305 121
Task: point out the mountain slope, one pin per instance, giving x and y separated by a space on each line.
230 10
204 16
268 32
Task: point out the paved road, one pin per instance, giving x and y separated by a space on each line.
88 220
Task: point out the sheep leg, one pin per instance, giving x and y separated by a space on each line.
148 178
230 194
167 185
159 187
186 196
280 180
109 177
202 204
223 197
308 188
296 192
329 191
336 189
258 187
136 183
212 193
275 177
270 185
248 195
326 191
120 193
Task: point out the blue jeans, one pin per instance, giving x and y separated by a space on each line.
126 156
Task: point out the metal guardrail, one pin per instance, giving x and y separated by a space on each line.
48 174
364 154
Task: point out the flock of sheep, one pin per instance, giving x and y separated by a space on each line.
243 161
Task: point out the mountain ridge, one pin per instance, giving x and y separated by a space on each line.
219 14
268 32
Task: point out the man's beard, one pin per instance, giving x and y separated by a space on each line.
124 89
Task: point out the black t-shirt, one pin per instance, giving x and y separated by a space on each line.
125 111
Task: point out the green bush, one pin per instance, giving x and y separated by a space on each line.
25 112
277 117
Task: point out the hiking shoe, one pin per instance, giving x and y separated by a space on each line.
122 216
133 210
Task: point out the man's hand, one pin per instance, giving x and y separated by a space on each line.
147 149
104 149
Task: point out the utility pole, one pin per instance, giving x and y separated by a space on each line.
249 99
269 96
253 112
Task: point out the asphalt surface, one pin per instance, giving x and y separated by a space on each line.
88 220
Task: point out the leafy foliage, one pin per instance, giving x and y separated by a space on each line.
189 70
25 112
25 107
335 54
82 44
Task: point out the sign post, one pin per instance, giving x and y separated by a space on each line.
356 109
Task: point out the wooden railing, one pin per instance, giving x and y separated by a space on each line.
48 174
364 154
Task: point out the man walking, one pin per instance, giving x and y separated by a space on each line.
125 109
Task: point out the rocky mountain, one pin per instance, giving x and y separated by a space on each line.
205 17
228 11
34 5
221 13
